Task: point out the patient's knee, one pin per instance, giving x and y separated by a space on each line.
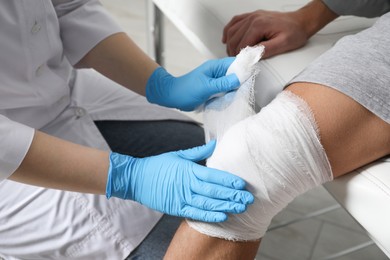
279 154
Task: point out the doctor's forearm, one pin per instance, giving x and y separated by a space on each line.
55 163
120 59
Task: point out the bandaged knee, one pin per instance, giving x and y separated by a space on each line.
279 154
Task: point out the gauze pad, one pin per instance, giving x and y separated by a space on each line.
279 154
221 112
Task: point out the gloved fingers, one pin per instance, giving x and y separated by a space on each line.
198 153
206 203
202 215
219 177
219 192
216 68
224 84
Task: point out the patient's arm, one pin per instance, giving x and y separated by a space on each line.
351 136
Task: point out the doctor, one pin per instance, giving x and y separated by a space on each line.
57 123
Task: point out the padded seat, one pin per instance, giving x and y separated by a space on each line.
364 193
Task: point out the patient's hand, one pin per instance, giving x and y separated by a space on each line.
279 32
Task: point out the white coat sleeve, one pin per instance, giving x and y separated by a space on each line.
83 24
364 8
15 140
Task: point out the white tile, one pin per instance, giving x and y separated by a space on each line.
284 216
293 242
334 239
313 200
371 252
340 217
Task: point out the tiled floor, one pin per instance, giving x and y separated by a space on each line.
319 237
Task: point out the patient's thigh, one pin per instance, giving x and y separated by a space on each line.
351 135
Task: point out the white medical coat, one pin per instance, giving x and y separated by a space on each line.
40 40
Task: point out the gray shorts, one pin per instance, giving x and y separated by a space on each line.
358 66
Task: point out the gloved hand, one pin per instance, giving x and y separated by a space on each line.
194 88
173 184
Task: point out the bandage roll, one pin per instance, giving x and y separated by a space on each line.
279 154
221 112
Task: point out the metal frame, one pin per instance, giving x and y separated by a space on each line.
155 32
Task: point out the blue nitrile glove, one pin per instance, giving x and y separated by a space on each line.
194 88
174 184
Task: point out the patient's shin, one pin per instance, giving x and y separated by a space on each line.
278 152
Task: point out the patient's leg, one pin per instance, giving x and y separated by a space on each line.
351 136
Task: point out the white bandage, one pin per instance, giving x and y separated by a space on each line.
221 112
279 154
